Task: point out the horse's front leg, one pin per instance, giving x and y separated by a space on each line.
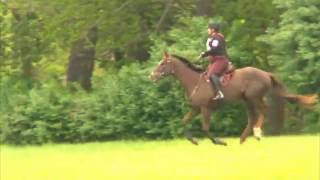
186 119
206 113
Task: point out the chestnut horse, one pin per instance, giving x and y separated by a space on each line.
249 84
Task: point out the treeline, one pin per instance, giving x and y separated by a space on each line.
77 71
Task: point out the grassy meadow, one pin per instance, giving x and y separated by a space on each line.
273 158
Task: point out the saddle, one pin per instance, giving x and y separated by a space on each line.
227 74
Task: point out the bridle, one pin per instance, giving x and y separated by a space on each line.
167 60
196 88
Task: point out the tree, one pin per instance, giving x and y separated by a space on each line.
6 19
294 44
81 60
22 42
204 8
294 52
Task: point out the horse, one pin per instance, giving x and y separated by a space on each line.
252 85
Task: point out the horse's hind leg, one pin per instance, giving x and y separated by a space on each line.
186 119
257 132
206 112
252 113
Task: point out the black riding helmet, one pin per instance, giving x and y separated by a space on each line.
214 26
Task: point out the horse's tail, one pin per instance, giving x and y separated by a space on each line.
306 101
278 96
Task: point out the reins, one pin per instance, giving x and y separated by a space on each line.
195 89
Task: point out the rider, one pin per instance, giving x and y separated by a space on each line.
217 55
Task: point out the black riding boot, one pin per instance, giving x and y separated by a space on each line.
215 80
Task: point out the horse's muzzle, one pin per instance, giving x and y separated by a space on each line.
153 77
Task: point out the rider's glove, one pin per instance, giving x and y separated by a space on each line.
201 55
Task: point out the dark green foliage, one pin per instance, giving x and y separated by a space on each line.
124 104
294 55
36 37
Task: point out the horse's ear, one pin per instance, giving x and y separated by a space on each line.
165 54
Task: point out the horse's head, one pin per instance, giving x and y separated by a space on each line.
165 67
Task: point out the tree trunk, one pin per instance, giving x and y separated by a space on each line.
204 7
81 59
136 50
165 13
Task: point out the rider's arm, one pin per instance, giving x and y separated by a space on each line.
212 49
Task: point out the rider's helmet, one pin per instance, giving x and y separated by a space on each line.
214 26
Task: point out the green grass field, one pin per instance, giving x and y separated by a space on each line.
273 158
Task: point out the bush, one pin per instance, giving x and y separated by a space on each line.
124 104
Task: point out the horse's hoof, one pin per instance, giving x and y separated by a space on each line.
242 141
223 144
219 142
193 141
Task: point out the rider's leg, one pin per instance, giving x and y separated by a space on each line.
215 80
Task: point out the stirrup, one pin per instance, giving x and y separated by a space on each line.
219 96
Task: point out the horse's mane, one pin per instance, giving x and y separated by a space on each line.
188 63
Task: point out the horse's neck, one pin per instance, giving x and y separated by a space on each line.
188 77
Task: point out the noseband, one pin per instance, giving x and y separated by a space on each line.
167 61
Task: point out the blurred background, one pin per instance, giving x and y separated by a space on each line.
77 70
